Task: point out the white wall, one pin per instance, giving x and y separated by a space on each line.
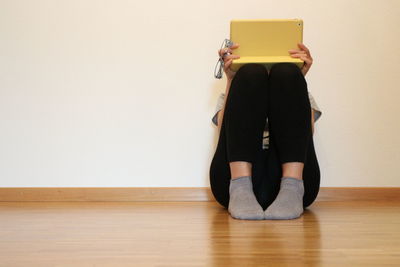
121 93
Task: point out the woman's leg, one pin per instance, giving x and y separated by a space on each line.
290 104
246 113
240 139
289 112
290 129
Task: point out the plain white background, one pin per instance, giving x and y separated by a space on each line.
121 93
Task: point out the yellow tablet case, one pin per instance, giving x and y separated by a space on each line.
266 41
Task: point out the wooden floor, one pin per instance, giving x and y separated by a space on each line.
195 234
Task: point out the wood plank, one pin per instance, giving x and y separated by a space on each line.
178 234
176 194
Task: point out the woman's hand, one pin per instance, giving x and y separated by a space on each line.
304 54
228 60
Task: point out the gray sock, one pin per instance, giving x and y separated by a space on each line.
289 202
242 201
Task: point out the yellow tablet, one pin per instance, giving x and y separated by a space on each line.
266 41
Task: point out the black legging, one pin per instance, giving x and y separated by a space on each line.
254 95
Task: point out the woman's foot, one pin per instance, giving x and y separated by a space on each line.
289 202
242 201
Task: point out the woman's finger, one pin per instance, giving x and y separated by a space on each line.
222 51
227 49
291 51
303 47
307 60
298 55
228 63
230 57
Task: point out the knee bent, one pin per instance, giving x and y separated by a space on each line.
251 70
285 69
